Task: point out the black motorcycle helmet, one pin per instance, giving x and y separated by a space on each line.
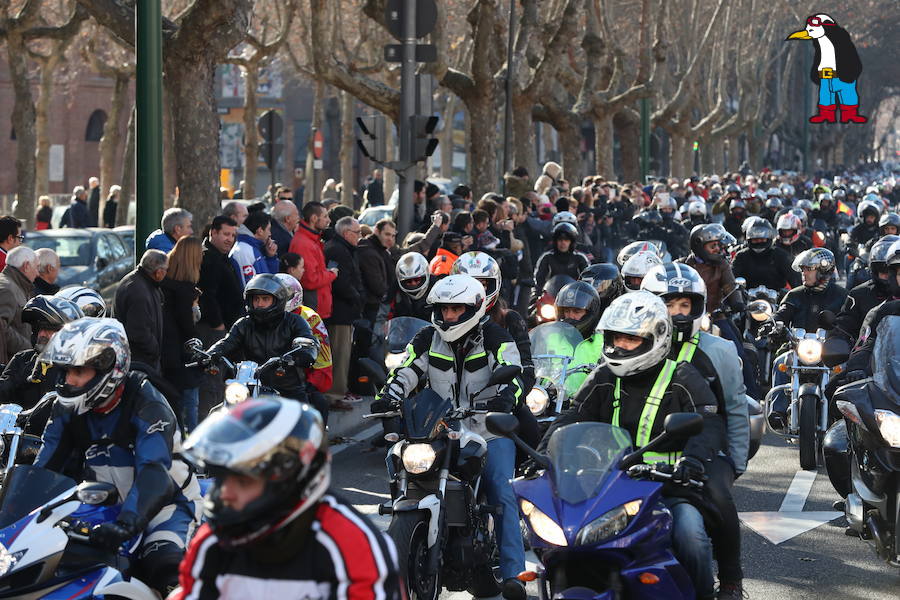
889 220
649 218
703 234
892 260
760 236
49 313
281 441
580 294
266 284
604 278
568 231
878 262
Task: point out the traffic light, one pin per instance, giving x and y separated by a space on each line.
423 145
373 142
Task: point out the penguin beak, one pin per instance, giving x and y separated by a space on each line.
799 35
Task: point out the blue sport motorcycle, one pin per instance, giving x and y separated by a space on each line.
594 516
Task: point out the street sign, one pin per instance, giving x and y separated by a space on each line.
270 126
318 144
426 18
317 164
270 152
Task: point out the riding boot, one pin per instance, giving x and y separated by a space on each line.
849 115
826 114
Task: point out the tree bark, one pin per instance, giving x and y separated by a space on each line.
251 136
23 122
482 141
523 140
628 131
42 123
603 145
127 172
109 143
348 144
313 187
677 149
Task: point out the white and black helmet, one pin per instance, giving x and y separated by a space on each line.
563 217
485 269
89 342
636 267
296 290
677 280
697 208
457 289
640 314
88 300
413 274
633 248
820 259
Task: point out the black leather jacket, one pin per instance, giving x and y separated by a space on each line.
801 306
246 340
771 268
861 357
860 300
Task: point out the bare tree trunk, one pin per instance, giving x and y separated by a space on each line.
482 144
570 148
706 155
127 173
109 143
42 122
251 136
628 132
523 140
170 169
603 145
348 144
716 148
757 147
677 150
313 187
23 118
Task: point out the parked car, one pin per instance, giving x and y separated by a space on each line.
94 257
373 214
126 232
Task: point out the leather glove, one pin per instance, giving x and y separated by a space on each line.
688 468
112 535
305 359
499 405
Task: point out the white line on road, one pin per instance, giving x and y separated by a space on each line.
360 437
798 491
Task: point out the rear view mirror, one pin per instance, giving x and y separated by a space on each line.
759 310
373 370
301 342
835 351
740 282
683 425
502 424
504 374
97 493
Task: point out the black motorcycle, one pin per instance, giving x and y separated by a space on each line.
862 452
441 524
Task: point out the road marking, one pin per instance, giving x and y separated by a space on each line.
790 520
362 436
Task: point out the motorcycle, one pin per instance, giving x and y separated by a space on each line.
552 351
763 303
45 550
16 446
862 451
807 411
594 514
543 306
440 522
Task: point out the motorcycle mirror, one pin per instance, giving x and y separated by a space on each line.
504 374
683 425
299 342
97 493
827 319
373 370
502 424
740 282
835 350
759 310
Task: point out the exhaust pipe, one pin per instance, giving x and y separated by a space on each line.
880 536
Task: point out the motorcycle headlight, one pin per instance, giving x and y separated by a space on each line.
392 361
809 351
612 523
548 312
236 392
418 458
537 400
8 560
543 526
888 426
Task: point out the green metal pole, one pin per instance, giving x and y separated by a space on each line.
149 189
645 139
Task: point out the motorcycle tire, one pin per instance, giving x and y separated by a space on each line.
809 433
486 582
409 532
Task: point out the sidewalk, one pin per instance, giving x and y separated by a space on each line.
350 424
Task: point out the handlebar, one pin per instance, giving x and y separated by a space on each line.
644 471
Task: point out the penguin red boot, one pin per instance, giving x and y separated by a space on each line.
827 114
849 114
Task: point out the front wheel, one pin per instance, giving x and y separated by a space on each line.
809 433
409 532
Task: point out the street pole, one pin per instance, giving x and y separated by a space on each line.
807 88
507 120
407 111
645 139
149 188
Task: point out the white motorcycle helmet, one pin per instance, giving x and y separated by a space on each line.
633 248
697 208
640 314
413 274
88 300
636 267
674 280
485 269
296 290
563 217
461 290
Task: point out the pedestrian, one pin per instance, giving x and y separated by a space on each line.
175 224
292 264
44 214
10 236
138 305
112 205
307 243
330 191
77 215
285 218
255 253
375 189
378 278
347 293
48 271
181 311
236 211
222 299
94 201
418 200
16 287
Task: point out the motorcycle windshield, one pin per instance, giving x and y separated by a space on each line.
400 332
887 365
423 412
27 487
552 347
582 455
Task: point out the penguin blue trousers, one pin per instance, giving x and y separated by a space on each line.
834 91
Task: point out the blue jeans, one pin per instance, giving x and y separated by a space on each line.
498 470
730 332
835 91
190 404
691 545
780 400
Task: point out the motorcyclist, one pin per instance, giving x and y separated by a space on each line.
26 380
456 358
867 228
696 211
790 235
636 387
561 259
88 300
683 291
604 277
888 224
579 305
770 212
761 263
126 434
737 212
267 331
414 281
273 528
633 248
675 234
636 267
826 213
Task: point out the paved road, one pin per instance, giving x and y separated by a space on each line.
822 563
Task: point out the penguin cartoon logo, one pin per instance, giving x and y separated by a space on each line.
835 69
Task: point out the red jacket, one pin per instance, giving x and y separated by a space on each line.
308 244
